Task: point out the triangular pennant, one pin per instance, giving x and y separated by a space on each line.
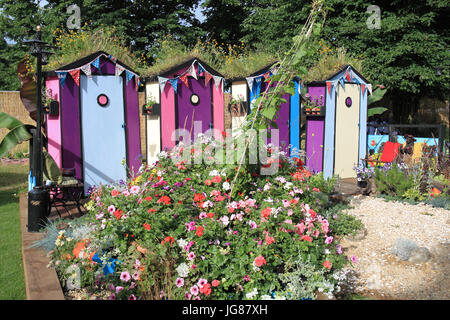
87 69
112 58
184 79
162 83
192 71
136 82
96 63
200 68
266 75
341 81
119 69
347 75
174 83
329 87
62 77
369 87
129 75
217 80
208 77
250 83
76 76
363 88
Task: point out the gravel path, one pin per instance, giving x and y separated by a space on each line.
382 275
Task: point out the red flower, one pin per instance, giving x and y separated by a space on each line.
265 213
199 231
118 214
215 283
306 238
148 198
151 210
327 264
115 193
168 239
208 182
206 289
199 197
164 199
146 226
316 189
259 261
217 179
210 215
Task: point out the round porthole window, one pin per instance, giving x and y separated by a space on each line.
348 102
195 100
102 99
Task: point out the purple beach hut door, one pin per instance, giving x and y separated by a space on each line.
193 104
282 120
103 130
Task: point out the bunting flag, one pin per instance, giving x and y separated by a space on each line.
266 75
369 87
200 68
162 83
208 77
129 75
75 75
87 70
329 87
250 83
62 77
341 81
119 69
192 71
174 82
113 59
347 75
184 79
96 63
363 88
137 82
217 80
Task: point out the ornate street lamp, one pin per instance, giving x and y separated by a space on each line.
38 197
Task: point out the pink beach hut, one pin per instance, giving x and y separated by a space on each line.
95 130
188 96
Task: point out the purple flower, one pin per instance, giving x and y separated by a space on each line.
112 297
353 259
339 249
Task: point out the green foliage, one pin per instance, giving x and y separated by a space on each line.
394 181
346 224
17 133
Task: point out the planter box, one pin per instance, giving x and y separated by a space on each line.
312 112
153 110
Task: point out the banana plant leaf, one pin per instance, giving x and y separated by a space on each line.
18 133
376 95
375 111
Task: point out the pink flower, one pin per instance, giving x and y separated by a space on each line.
259 261
329 240
316 233
215 283
136 276
194 290
300 228
112 297
353 259
202 215
134 189
187 295
126 193
202 282
132 297
191 256
286 203
125 276
179 282
111 209
118 289
247 278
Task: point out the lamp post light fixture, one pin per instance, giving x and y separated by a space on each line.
38 197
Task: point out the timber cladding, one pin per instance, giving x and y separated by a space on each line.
11 104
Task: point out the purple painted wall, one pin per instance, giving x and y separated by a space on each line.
70 124
70 120
316 93
187 112
314 143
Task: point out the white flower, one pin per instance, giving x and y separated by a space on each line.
183 270
226 186
182 243
252 294
327 251
288 185
266 297
225 220
214 173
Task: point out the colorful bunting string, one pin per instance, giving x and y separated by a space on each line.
76 76
62 77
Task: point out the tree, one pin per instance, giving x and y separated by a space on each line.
408 53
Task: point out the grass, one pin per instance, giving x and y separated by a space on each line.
13 179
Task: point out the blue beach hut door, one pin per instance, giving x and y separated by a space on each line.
102 130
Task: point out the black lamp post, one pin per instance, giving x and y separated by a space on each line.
38 197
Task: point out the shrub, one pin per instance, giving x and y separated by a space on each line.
392 180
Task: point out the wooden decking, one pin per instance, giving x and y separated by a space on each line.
41 282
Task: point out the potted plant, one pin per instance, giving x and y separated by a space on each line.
363 175
237 105
149 106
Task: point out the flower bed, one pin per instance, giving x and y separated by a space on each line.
175 231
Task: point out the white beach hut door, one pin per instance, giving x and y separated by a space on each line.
347 130
102 129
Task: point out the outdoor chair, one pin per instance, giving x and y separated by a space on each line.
391 150
62 185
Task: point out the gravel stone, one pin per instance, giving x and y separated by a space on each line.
379 271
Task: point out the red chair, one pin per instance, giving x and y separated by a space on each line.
390 153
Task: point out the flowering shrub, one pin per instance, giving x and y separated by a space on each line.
175 231
363 173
